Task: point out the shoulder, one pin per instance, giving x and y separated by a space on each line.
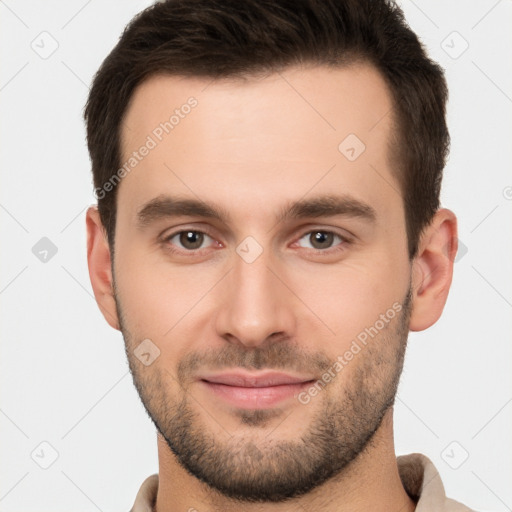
146 497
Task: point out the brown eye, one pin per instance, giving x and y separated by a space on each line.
321 240
188 239
194 238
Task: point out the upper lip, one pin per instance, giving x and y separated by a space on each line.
255 380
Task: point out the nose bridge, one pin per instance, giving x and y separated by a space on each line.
255 305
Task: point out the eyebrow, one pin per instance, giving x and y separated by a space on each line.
164 206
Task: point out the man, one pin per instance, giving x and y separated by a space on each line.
268 230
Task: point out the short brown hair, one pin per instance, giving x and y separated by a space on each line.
230 38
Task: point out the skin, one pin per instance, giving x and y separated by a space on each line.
250 146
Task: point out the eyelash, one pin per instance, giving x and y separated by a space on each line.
345 241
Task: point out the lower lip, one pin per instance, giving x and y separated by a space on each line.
255 398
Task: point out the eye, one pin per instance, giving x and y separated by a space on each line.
189 239
320 239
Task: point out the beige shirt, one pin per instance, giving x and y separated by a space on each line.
419 477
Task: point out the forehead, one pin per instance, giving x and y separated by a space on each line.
267 137
333 100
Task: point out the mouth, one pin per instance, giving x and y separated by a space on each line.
255 390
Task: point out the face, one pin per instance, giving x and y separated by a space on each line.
261 272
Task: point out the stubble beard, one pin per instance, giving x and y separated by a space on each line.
263 469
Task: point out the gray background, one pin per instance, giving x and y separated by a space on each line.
64 377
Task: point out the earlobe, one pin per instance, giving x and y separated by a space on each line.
433 269
99 263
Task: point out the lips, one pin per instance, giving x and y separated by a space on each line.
260 390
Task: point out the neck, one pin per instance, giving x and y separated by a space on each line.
369 482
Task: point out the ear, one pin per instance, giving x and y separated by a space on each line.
100 270
433 269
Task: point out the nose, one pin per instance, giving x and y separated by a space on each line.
255 304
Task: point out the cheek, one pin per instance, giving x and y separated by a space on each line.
158 298
340 301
